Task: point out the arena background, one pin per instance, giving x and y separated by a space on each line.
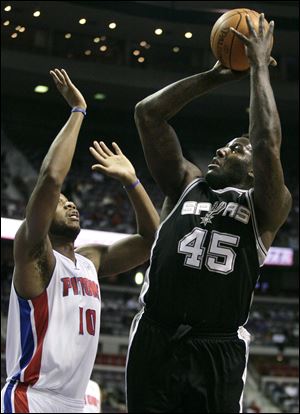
115 66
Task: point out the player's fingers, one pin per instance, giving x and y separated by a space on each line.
99 149
102 161
273 61
271 30
261 25
250 26
66 76
60 76
55 78
117 148
99 167
106 149
243 38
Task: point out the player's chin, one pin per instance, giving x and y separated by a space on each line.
73 225
73 230
212 172
213 178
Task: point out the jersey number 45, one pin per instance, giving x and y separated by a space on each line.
219 258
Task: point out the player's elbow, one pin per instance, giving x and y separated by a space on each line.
144 113
52 176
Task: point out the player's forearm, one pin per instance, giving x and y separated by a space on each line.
167 102
264 127
59 157
147 218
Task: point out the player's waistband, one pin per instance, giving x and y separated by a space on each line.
184 330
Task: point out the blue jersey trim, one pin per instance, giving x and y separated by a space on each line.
27 346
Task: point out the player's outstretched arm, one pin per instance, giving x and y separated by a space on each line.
32 248
132 250
271 197
161 146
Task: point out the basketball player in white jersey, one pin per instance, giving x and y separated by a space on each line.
92 398
54 309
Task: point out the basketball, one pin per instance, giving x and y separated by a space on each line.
225 45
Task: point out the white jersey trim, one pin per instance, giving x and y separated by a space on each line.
224 190
191 185
244 335
145 286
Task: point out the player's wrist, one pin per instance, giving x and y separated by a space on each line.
80 104
81 109
129 183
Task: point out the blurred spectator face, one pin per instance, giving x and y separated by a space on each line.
66 221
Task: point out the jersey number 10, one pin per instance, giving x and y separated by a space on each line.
90 317
220 257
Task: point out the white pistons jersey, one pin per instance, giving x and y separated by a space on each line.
52 340
92 398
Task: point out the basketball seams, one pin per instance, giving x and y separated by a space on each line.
226 46
218 28
233 38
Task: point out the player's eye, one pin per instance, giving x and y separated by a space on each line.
236 148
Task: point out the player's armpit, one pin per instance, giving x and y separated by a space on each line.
118 257
34 264
272 205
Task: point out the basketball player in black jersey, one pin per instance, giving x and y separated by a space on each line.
188 348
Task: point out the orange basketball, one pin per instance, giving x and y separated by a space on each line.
225 45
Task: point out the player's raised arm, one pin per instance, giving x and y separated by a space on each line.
271 197
32 248
161 146
134 249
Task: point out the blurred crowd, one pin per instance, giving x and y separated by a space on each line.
103 204
285 395
274 324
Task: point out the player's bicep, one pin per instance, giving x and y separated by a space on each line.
41 209
164 156
124 255
272 199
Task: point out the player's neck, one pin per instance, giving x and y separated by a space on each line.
64 247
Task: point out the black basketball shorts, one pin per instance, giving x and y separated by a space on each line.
184 371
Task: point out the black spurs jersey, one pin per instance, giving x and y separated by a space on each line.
205 260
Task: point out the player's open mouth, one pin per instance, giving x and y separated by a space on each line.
74 216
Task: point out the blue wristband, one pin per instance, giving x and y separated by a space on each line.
78 109
132 186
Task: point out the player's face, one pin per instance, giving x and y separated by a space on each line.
232 165
66 222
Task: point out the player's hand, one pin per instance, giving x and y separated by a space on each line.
68 90
114 164
227 74
259 45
